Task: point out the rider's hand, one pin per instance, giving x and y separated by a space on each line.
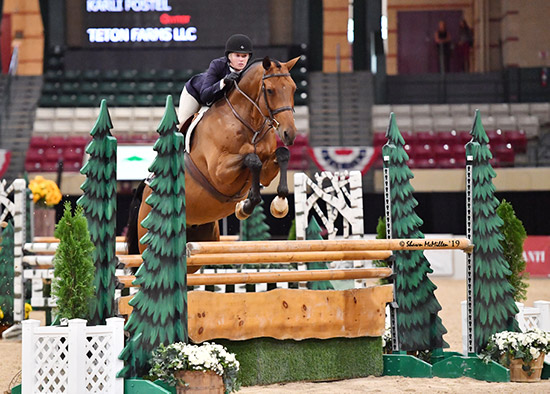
229 78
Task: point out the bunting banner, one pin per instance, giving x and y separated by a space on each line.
344 158
5 157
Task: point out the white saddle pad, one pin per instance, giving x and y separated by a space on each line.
192 126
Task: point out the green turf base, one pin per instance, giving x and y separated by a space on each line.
266 360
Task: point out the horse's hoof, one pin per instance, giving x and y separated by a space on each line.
279 207
239 211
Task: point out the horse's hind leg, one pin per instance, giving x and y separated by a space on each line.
245 208
279 205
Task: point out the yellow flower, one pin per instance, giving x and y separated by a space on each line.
28 309
44 191
1 314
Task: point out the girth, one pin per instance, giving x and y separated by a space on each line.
192 169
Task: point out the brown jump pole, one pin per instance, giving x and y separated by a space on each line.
196 248
274 277
266 258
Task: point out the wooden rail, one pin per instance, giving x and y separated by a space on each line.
267 258
274 277
197 248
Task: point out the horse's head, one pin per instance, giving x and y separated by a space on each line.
278 97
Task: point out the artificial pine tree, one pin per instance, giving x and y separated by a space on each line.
494 306
313 232
99 203
160 306
419 325
514 235
73 283
6 274
254 228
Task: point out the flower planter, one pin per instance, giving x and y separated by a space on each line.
517 374
207 382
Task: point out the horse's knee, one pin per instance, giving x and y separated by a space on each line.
253 162
282 154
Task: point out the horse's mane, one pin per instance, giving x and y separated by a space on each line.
255 62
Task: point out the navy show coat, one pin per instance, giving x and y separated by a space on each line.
205 87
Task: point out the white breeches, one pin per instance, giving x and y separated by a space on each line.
188 106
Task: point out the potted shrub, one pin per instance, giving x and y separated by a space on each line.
208 367
522 352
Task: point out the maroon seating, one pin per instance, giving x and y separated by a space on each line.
517 139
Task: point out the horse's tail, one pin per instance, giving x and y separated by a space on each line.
132 241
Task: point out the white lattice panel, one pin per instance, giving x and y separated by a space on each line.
73 359
51 364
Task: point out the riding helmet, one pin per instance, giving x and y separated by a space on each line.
238 43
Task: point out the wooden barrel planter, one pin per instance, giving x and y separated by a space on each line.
517 374
203 382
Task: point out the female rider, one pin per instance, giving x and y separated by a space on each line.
208 87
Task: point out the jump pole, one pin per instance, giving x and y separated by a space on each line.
275 277
350 245
266 258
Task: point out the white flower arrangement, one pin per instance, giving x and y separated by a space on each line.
166 360
507 345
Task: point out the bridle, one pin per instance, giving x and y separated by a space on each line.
269 120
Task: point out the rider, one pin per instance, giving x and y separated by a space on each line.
207 87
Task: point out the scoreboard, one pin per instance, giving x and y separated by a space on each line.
164 23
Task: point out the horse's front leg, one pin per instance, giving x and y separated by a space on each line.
245 208
279 205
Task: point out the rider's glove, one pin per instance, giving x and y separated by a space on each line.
229 78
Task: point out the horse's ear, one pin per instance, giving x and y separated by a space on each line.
266 63
292 62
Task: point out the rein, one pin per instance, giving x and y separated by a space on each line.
269 120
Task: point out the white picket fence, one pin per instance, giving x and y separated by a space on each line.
73 358
537 316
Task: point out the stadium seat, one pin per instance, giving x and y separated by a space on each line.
421 110
443 123
91 75
517 140
505 155
426 137
379 139
496 138
441 110
401 111
422 123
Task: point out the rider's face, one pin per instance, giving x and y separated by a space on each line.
238 60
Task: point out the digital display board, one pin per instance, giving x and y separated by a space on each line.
163 23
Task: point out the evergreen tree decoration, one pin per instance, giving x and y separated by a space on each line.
313 232
73 283
6 274
292 231
494 306
381 234
160 307
514 235
419 325
99 203
254 228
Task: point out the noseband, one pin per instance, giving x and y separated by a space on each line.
269 120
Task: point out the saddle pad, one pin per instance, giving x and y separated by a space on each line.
192 126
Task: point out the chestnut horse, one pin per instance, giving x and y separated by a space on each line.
233 151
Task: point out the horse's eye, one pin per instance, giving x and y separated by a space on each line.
269 91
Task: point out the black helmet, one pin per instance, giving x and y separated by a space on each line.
238 43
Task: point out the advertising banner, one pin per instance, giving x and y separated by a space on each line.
536 252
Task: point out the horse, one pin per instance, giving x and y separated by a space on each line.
233 150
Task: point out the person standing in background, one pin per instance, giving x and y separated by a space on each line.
442 39
465 43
